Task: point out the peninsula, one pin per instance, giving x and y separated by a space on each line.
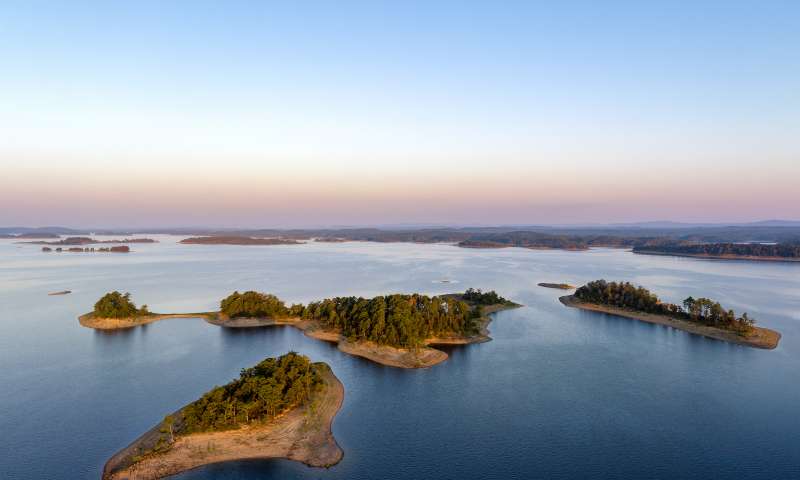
699 316
281 408
236 240
395 330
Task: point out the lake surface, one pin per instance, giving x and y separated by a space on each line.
558 393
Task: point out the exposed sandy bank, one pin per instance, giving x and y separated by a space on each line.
303 434
760 338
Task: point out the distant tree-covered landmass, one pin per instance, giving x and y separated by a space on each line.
253 304
773 250
118 305
260 393
628 296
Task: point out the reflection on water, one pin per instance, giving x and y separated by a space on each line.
559 393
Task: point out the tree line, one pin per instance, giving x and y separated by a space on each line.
700 310
478 297
118 305
779 250
260 393
404 321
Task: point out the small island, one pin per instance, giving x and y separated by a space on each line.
69 241
395 330
560 286
238 240
115 249
281 408
699 316
116 310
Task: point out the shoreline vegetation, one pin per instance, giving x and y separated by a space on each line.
394 330
238 240
560 286
700 316
282 408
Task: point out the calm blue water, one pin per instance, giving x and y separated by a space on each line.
559 393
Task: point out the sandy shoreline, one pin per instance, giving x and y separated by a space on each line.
386 355
761 337
303 434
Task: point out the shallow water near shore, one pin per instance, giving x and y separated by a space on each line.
558 393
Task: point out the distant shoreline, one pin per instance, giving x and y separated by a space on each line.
750 258
764 338
384 354
237 240
303 434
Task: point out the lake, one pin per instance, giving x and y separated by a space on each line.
559 393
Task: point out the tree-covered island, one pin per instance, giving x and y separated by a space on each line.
701 316
280 408
396 330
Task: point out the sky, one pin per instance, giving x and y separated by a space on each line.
291 114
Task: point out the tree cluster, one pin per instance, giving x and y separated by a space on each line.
260 393
478 297
118 305
701 310
396 320
253 304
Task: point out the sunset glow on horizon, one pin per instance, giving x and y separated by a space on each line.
154 115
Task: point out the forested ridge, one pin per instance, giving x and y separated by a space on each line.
700 310
779 250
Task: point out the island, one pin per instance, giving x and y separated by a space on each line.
69 241
700 316
775 252
396 330
560 286
281 408
238 240
114 249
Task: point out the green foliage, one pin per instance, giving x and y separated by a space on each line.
118 305
253 304
260 393
701 310
395 320
483 298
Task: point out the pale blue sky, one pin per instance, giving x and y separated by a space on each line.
381 112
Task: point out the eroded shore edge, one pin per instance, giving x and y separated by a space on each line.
303 434
764 338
